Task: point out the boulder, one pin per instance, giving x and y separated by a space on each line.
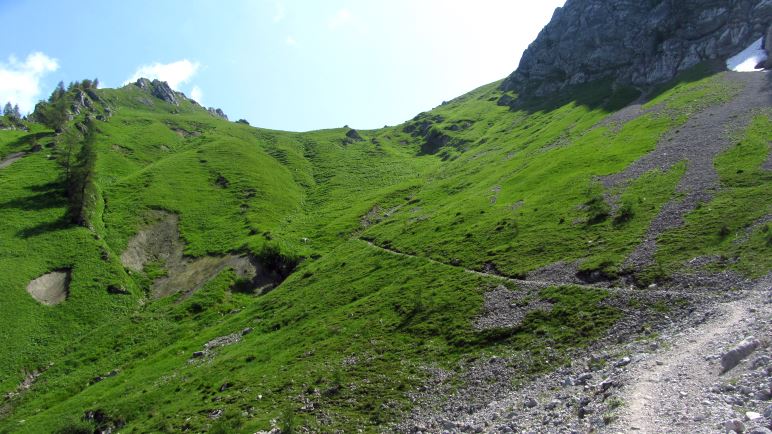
353 135
731 358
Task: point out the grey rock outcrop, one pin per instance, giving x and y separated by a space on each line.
159 89
635 42
217 113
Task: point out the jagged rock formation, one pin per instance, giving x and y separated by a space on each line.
216 112
635 42
159 89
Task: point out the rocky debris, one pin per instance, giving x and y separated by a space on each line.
159 89
704 136
731 358
209 349
217 112
479 397
29 380
506 308
639 43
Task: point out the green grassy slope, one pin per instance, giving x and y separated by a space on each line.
470 184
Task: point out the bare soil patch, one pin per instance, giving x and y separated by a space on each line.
160 242
51 288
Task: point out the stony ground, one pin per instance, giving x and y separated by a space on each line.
655 373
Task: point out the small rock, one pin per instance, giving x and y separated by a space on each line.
530 402
582 379
735 425
752 415
759 430
246 331
768 412
606 384
198 354
624 361
734 356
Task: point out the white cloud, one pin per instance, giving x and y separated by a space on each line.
341 18
197 94
291 41
20 81
174 73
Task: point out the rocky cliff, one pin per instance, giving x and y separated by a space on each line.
637 42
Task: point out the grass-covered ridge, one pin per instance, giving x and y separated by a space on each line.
470 185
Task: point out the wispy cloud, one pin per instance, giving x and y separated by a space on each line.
174 73
291 41
340 19
197 94
20 81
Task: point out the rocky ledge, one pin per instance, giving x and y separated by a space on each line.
638 42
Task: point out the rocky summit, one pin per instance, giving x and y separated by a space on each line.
636 42
583 247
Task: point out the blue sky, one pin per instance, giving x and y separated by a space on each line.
283 64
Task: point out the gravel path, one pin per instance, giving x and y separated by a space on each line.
11 158
704 136
679 390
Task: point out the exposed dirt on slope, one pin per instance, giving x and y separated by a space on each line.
11 158
51 288
703 137
160 242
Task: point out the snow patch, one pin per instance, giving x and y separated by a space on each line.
748 59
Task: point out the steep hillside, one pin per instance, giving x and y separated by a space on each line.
163 269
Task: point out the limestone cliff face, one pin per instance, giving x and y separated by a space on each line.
639 42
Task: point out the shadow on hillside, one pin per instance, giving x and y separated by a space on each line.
602 94
41 197
44 196
28 141
61 223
